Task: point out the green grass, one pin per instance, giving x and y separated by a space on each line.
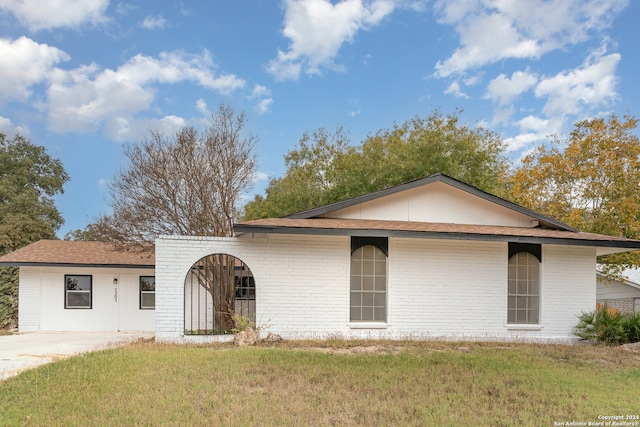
327 383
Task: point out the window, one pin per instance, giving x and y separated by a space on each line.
245 287
368 284
77 291
523 289
147 292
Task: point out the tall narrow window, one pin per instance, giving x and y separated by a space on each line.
368 285
523 289
147 292
78 290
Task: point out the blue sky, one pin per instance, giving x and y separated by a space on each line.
84 77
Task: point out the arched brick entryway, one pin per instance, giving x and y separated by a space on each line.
218 288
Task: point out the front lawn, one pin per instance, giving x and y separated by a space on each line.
328 383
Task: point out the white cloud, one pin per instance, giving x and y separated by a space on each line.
521 141
201 106
502 115
260 176
317 30
135 129
47 14
454 89
503 89
125 8
493 30
534 130
154 23
87 97
470 81
9 129
263 96
263 105
24 63
589 86
533 123
260 91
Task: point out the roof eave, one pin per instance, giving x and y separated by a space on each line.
74 265
618 246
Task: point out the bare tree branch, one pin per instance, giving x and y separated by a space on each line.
187 185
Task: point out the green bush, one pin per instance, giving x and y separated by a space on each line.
8 297
631 325
608 328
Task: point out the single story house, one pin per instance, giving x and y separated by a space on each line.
621 294
431 258
84 286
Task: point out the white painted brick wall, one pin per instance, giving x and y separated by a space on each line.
439 287
569 287
436 288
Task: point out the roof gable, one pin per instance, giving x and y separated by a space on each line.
407 211
436 198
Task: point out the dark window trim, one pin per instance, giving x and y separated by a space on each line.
381 243
527 295
90 276
140 293
533 249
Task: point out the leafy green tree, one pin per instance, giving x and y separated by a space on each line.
89 233
324 168
309 178
591 181
422 147
29 178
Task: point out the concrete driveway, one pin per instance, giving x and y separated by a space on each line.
19 352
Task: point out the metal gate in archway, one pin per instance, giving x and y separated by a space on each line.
218 289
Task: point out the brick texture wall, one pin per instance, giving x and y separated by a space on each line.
624 305
436 288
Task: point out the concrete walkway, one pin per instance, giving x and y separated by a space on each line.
19 352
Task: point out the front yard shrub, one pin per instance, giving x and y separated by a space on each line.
631 325
607 327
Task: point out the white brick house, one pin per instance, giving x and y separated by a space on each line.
427 259
83 286
432 258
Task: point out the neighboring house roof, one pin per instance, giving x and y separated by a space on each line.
630 277
545 221
633 275
80 254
